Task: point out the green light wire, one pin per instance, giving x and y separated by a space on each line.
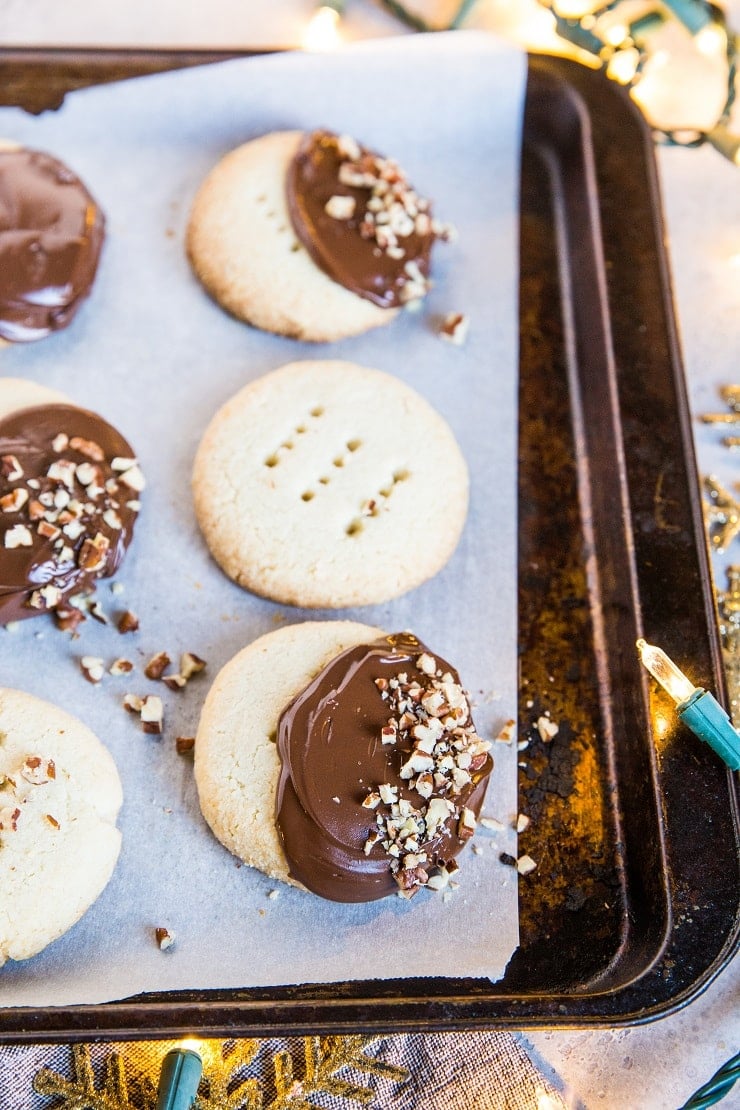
717 1087
400 11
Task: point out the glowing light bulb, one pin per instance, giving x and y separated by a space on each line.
622 66
616 34
662 668
711 40
322 33
697 708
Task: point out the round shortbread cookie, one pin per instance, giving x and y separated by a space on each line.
237 765
242 246
58 806
326 485
17 393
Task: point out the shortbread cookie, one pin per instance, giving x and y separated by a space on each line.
237 766
59 800
311 235
51 233
326 484
342 759
69 499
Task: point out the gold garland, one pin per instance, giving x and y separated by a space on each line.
230 1082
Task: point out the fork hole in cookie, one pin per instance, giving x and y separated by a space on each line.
272 460
324 481
307 495
401 476
354 444
317 411
339 461
354 527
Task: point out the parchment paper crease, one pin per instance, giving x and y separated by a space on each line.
154 355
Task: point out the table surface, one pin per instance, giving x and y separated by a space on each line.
656 1066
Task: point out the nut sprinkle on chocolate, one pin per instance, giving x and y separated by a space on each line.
65 516
432 717
383 774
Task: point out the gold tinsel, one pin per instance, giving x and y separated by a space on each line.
234 1080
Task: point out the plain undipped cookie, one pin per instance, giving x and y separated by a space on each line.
237 764
59 800
325 484
17 393
242 247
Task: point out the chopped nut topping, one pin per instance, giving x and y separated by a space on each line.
14 501
446 752
191 664
525 865
10 468
60 442
157 665
92 668
120 666
87 448
92 554
152 714
340 207
455 328
9 818
174 681
18 536
128 622
133 703
68 619
165 939
547 729
507 732
38 771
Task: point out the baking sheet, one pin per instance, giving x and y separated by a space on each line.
150 352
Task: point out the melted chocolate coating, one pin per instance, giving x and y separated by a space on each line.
329 740
51 232
339 246
26 436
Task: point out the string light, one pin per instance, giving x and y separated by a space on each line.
629 51
322 33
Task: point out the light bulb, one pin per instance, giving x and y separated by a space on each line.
662 668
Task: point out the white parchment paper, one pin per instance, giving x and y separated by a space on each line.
154 355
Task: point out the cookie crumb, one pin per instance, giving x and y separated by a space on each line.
522 823
525 865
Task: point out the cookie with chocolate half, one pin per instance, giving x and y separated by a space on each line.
341 759
325 484
311 235
70 491
51 234
58 807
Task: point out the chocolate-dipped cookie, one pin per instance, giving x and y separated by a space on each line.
311 235
69 498
341 759
51 234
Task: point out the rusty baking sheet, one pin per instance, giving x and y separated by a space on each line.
635 903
